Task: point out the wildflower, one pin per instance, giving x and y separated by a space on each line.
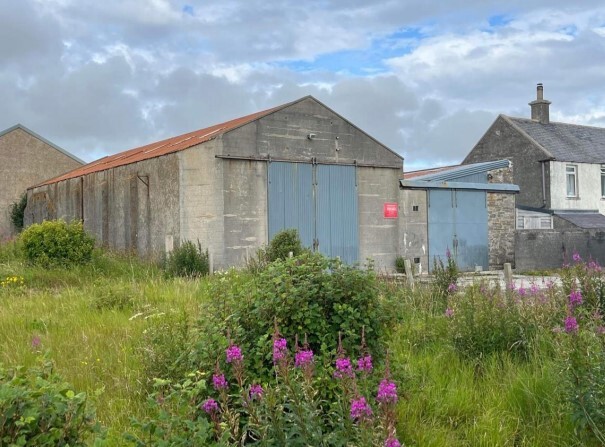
448 254
534 289
575 298
449 312
303 358
576 257
601 330
571 324
343 368
234 354
522 291
392 442
279 349
210 406
36 342
592 265
219 382
256 391
452 288
387 392
360 409
364 363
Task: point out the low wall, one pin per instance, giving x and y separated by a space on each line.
545 249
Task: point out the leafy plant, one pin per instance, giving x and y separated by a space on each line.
57 243
188 259
37 408
17 212
284 243
445 276
400 264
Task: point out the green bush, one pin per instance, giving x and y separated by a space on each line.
445 275
37 408
56 243
400 264
283 243
188 260
17 212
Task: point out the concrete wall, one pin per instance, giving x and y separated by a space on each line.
132 207
413 228
588 183
545 249
25 161
503 141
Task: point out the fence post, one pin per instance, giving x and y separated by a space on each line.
409 273
210 263
508 275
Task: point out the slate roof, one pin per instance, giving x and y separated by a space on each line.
565 142
584 220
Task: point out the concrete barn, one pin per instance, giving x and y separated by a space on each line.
233 185
25 159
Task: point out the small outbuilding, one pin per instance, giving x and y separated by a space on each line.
233 185
26 158
466 210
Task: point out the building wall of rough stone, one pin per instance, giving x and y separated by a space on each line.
500 229
25 161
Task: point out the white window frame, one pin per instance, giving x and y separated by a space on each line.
571 170
603 181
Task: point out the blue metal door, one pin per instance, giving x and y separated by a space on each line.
291 203
336 205
457 221
320 201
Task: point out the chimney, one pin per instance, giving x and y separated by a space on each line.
539 107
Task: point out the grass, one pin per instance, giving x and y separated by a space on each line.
91 320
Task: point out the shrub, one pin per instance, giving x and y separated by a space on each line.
56 243
400 264
283 243
37 408
112 297
445 276
188 260
588 279
17 212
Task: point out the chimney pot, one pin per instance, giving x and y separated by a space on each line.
540 92
539 107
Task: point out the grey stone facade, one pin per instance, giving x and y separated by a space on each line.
501 221
26 159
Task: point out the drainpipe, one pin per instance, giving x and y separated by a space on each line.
543 186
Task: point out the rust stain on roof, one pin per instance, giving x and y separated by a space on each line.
163 147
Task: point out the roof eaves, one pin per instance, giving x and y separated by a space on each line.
41 138
464 170
489 187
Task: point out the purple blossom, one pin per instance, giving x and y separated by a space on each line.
571 324
522 291
279 349
303 358
36 342
343 368
219 382
534 289
210 406
256 391
449 312
364 363
387 392
576 257
575 298
452 288
360 409
448 254
601 330
234 354
594 266
392 442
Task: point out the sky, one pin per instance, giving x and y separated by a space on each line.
424 77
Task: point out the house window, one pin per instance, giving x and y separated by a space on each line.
571 176
602 180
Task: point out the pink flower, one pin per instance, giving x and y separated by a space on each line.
452 288
449 312
279 349
392 442
256 391
360 409
303 358
387 392
571 324
219 382
534 289
576 257
210 406
234 354
343 368
522 291
448 254
36 342
364 363
575 298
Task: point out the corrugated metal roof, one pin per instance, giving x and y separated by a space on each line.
164 147
566 142
489 187
584 220
449 173
422 172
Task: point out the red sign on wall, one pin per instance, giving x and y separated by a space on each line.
390 210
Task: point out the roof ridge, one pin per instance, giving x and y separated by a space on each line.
557 122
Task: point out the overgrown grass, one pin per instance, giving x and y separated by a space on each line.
92 319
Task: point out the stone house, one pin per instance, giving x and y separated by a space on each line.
233 185
466 210
560 169
26 158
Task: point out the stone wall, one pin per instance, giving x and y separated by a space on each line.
500 229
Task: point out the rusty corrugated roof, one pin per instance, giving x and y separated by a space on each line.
163 147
